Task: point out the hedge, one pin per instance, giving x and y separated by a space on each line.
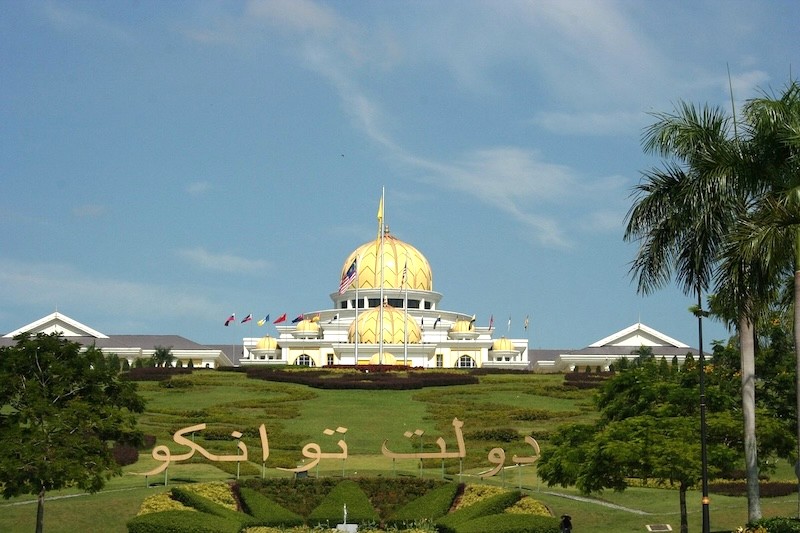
489 506
777 524
182 522
266 511
510 523
204 505
430 506
331 510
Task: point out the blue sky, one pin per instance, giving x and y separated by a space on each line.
164 164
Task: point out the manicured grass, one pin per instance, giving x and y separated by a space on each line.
295 415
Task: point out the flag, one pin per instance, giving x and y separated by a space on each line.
472 320
297 319
248 318
509 324
526 322
436 322
315 318
349 277
405 272
280 319
230 319
334 317
263 321
380 216
491 322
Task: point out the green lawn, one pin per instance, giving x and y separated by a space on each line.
295 415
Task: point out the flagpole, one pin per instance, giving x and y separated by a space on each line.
382 232
405 306
357 337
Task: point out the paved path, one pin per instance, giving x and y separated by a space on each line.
598 502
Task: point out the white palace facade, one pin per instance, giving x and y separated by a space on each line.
388 314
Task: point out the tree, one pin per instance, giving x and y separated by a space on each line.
648 429
684 211
773 227
60 409
163 356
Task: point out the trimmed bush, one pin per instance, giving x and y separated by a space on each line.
778 524
124 454
182 522
266 511
204 505
490 506
430 506
510 523
331 510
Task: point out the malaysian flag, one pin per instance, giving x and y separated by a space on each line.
348 278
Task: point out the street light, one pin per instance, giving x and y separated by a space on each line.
699 313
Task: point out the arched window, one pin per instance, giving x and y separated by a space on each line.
465 361
304 360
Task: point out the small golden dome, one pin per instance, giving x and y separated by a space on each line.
308 325
462 326
397 256
394 322
503 345
267 343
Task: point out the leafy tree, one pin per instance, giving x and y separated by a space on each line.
648 429
60 409
163 356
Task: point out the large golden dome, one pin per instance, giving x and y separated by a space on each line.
396 255
394 324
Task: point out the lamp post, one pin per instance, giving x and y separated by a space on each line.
703 452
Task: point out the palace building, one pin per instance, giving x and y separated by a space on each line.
386 312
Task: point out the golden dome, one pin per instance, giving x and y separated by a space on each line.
308 325
462 326
396 255
503 345
394 322
266 343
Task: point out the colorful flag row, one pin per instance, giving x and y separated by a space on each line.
232 319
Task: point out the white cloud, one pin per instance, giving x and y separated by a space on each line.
590 123
72 20
202 258
57 284
198 188
89 211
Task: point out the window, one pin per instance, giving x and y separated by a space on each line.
466 361
330 359
428 305
395 302
439 360
304 360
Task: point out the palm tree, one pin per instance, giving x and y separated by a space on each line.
771 231
163 356
681 218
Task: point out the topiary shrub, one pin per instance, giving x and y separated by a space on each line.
182 522
124 454
777 524
428 507
490 506
204 505
267 511
331 510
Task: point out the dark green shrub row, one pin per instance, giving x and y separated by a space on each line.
331 511
322 379
182 522
767 489
494 435
267 511
389 494
431 506
204 505
510 523
154 373
297 495
778 524
489 506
